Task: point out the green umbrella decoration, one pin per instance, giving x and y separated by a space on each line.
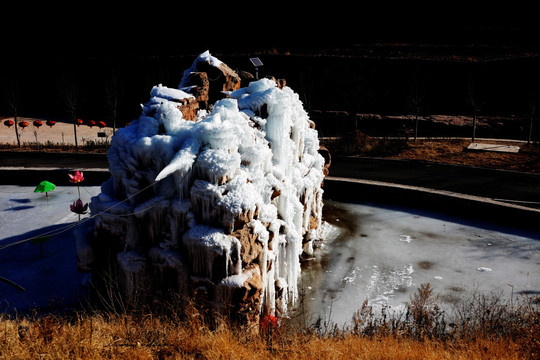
45 186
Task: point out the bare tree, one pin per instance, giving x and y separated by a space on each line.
473 101
415 99
532 107
356 92
112 98
12 97
71 94
532 101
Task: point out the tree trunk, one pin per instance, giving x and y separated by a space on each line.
474 127
415 127
17 130
75 130
531 127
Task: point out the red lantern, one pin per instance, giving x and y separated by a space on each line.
91 123
78 122
101 124
37 123
51 123
23 124
9 123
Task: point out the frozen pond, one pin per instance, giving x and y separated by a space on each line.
384 254
380 254
49 278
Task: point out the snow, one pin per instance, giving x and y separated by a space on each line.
204 57
166 93
226 166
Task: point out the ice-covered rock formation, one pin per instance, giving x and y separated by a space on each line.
219 207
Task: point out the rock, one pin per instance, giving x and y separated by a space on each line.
245 78
200 85
189 108
221 78
218 208
239 297
251 248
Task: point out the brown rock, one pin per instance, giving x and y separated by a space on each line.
251 248
327 159
242 301
220 78
245 78
189 108
313 222
201 85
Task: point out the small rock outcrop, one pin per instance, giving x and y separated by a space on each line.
214 195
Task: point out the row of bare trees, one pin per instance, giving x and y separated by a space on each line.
71 91
416 102
364 88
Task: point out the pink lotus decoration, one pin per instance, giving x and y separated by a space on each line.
77 177
78 207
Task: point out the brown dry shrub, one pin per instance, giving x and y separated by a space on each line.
507 331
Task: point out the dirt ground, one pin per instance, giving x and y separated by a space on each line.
60 135
445 151
454 152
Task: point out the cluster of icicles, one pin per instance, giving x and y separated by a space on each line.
180 191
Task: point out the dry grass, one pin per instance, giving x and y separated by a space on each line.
451 152
445 151
145 335
90 146
127 337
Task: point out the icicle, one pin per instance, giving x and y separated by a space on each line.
183 160
204 244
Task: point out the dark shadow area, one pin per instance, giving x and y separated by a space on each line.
47 271
21 201
484 216
49 230
19 208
